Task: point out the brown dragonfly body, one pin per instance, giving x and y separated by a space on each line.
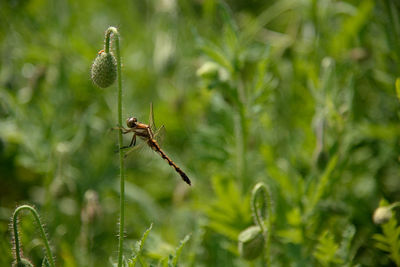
145 132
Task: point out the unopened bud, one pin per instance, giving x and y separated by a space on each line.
92 209
208 70
382 215
251 243
104 69
23 263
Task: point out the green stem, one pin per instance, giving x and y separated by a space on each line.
394 205
42 232
114 31
262 214
241 132
240 148
243 143
108 38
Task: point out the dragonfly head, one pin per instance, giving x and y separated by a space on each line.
131 122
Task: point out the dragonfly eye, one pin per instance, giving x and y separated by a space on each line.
131 122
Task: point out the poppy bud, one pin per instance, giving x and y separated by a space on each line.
23 263
251 243
208 70
382 215
92 209
104 69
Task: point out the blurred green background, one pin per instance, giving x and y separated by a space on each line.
299 95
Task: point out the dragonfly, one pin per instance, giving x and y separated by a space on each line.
147 133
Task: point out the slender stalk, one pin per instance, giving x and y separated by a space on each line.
241 132
262 215
394 205
243 142
240 153
114 31
42 232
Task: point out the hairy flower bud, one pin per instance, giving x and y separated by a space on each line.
208 70
382 215
92 209
251 242
104 69
23 263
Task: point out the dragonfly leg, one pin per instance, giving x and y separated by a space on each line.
124 130
132 143
150 133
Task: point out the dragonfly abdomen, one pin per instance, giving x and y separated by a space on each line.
157 148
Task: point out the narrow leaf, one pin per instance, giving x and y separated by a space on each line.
398 88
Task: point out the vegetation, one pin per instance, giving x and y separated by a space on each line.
283 114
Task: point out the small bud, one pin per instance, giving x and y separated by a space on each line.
92 209
208 70
382 215
321 159
251 243
23 263
104 70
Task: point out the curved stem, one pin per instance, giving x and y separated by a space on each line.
114 31
107 41
42 233
262 214
394 205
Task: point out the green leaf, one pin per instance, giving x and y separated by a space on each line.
383 247
179 250
321 185
217 55
352 26
389 241
345 251
45 262
139 248
326 250
379 237
230 212
292 235
398 88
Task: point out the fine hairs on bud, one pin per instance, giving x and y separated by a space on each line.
104 69
23 263
382 215
251 242
255 240
20 261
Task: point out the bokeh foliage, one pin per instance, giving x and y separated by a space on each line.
297 94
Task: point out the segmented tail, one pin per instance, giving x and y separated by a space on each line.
157 148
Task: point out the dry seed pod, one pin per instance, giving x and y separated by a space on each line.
104 69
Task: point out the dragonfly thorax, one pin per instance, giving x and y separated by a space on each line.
131 122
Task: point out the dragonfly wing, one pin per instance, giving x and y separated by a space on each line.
151 118
133 149
159 134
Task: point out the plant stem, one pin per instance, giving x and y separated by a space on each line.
394 205
263 217
42 232
241 133
240 153
114 31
